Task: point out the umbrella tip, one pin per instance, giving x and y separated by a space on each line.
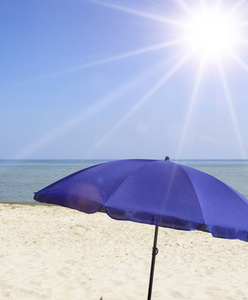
167 158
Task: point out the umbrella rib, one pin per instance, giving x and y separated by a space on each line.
131 174
203 229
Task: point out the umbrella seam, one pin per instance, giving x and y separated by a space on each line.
195 193
146 161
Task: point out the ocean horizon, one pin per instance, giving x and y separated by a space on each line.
20 178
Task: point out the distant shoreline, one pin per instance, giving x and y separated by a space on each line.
106 159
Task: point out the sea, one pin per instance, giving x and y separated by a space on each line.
19 179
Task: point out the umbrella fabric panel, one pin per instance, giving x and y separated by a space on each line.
154 192
157 193
225 211
88 190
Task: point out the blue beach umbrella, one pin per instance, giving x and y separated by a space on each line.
160 193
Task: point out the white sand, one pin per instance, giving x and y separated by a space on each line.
49 252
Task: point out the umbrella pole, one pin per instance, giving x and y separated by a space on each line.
154 253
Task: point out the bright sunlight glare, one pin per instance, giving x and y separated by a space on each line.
212 33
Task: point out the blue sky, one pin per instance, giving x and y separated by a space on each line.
112 79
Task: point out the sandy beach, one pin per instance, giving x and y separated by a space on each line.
50 252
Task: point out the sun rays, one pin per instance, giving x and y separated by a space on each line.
214 39
118 57
140 102
203 35
193 99
90 112
232 111
138 13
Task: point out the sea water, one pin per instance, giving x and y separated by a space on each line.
19 179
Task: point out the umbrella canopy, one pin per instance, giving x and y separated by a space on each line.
161 193
155 192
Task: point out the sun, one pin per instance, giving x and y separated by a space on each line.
212 33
